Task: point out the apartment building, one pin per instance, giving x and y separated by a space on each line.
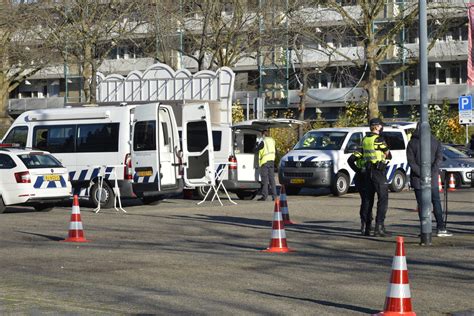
278 80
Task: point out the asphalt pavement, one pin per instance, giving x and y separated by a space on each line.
179 258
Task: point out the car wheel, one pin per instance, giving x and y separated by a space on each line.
151 200
292 190
2 206
106 198
340 186
202 191
398 181
43 207
246 195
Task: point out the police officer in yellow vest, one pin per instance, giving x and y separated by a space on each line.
357 163
376 152
266 160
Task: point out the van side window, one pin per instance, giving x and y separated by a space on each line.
216 140
6 162
394 140
144 136
197 136
356 139
55 139
17 135
97 137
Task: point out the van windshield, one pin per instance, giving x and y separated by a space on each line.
321 140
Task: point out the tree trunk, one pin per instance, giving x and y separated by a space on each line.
373 90
4 84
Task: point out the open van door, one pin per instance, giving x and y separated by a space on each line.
154 138
197 145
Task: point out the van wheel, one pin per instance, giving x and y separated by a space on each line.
44 207
398 181
2 206
340 186
107 195
246 195
457 180
202 191
292 190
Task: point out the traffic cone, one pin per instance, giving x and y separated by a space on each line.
284 207
76 234
398 298
440 184
278 241
452 183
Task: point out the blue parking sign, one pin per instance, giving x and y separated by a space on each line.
465 103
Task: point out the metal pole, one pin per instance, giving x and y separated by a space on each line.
248 106
425 138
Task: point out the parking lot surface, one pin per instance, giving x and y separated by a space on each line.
181 258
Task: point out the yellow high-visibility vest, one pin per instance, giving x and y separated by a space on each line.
267 153
371 149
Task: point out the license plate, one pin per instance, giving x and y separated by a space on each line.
146 173
297 181
52 177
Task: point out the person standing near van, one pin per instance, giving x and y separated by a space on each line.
414 161
357 163
266 160
375 152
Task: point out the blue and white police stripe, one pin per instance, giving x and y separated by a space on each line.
148 179
89 174
302 158
41 183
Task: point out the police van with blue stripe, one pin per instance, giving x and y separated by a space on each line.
319 159
137 145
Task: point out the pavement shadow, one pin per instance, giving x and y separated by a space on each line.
53 238
353 308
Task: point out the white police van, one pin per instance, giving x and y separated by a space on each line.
319 159
136 144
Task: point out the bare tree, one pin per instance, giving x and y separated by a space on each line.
90 30
378 25
24 47
219 33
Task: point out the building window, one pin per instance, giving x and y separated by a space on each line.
455 74
441 76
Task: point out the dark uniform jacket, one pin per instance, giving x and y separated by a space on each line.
414 159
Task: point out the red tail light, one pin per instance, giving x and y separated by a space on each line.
232 163
127 169
23 177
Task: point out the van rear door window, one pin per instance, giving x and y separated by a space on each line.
144 136
197 136
97 137
216 140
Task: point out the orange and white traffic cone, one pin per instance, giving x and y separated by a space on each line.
452 183
76 233
284 207
440 184
398 298
278 241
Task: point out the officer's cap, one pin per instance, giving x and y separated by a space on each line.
375 121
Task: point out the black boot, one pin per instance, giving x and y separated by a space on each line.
368 228
362 229
385 232
379 231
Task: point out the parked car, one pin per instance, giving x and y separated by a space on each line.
31 177
457 163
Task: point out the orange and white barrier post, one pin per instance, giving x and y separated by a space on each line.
76 232
452 183
398 297
440 184
284 207
278 240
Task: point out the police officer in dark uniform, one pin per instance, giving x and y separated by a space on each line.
357 163
376 153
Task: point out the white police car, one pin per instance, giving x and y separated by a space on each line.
31 177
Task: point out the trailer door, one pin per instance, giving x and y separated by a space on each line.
197 145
